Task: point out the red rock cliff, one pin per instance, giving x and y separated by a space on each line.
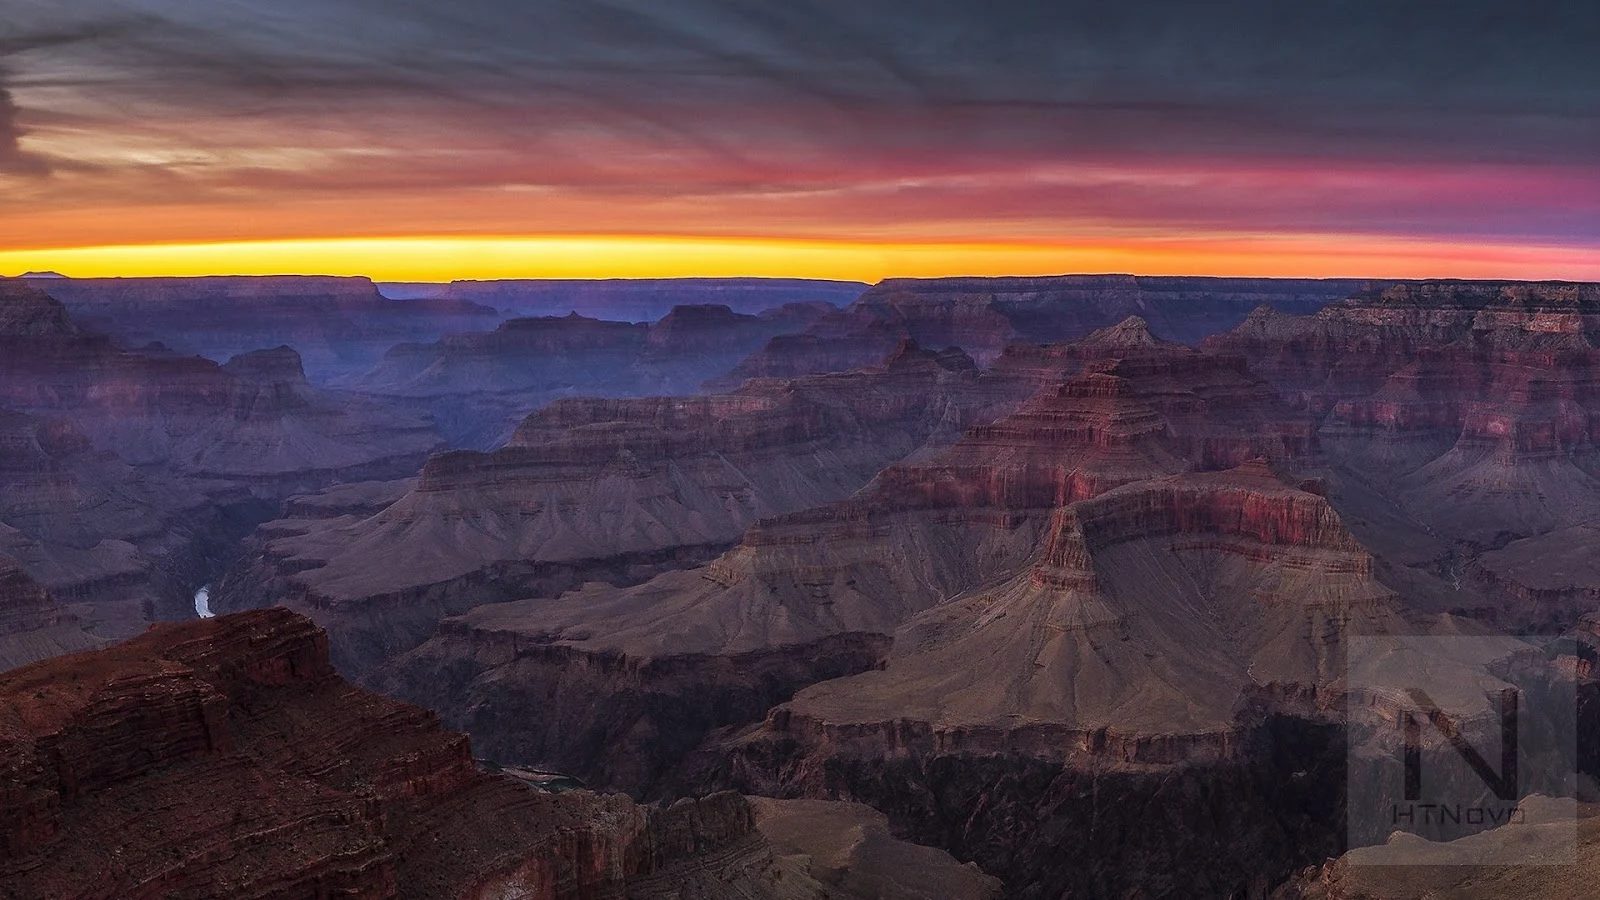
224 758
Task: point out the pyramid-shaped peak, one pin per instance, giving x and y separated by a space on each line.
1133 331
908 353
26 311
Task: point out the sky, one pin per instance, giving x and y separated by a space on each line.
424 140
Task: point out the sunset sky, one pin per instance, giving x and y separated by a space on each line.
413 140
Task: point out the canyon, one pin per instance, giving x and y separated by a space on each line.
478 385
600 490
340 326
317 788
984 315
973 587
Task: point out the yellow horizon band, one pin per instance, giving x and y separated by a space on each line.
629 256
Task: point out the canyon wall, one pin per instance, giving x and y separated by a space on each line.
984 315
340 326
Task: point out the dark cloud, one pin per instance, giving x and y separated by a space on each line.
12 158
1459 78
19 38
687 96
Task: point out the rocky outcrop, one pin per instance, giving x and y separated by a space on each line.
848 846
602 490
224 758
985 315
340 326
1545 583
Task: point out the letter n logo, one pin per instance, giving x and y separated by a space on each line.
1503 783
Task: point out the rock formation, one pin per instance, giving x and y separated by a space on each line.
984 315
340 326
255 422
1081 611
478 385
640 675
1408 868
609 490
848 846
225 758
1467 407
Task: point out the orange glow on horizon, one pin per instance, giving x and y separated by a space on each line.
629 256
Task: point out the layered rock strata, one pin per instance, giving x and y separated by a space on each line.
224 758
32 625
608 490
128 476
1175 655
641 674
1458 415
255 422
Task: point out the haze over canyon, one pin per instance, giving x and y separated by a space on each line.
1014 587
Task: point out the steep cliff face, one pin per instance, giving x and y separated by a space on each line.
32 625
128 476
1468 406
340 326
984 315
224 758
1174 656
255 423
641 673
110 542
601 490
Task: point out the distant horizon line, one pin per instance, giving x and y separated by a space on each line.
444 259
51 276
